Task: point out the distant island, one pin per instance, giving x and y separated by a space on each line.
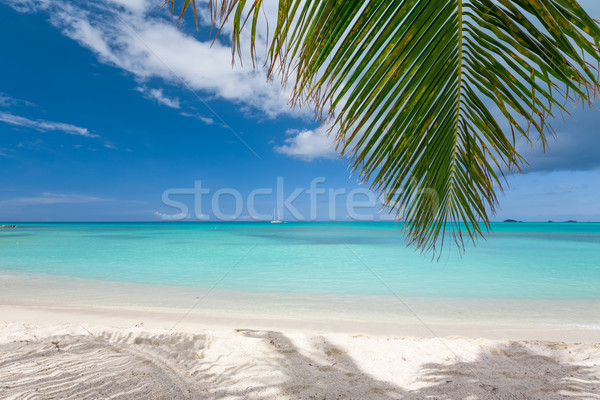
571 221
8 226
510 220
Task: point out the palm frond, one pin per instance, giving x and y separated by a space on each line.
416 91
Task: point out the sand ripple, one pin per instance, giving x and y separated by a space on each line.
248 364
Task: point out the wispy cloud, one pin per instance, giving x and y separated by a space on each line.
206 120
7 101
53 198
171 217
45 126
126 36
308 145
157 94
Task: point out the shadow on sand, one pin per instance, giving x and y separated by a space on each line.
169 366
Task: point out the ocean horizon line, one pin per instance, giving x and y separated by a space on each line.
268 221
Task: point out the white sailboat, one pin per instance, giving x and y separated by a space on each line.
275 220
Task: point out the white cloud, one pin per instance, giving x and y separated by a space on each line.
29 5
206 120
136 5
308 145
52 198
172 217
44 126
151 47
158 95
7 101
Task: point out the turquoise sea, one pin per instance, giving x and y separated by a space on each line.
538 261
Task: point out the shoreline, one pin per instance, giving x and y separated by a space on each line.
33 298
119 318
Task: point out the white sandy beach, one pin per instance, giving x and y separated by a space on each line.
76 361
65 341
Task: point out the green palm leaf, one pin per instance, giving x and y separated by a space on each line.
416 91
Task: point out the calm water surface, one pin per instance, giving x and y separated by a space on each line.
518 261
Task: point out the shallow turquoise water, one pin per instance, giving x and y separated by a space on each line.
518 261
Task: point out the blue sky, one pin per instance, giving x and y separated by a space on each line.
103 107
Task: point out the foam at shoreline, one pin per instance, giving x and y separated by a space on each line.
35 298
